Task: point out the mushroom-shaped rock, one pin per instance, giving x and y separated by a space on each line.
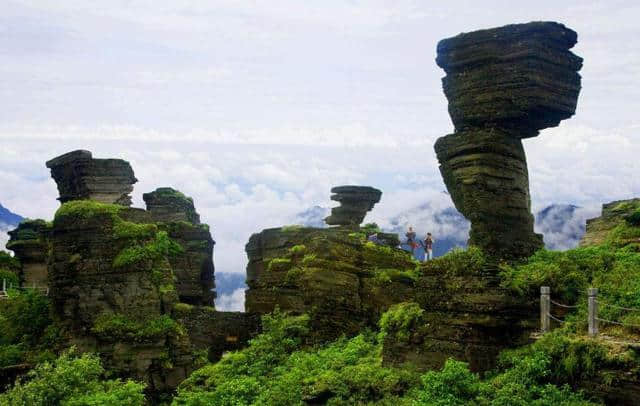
168 204
355 202
81 177
503 84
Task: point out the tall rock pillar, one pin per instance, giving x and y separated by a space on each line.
503 84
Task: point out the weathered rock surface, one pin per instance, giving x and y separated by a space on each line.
79 177
355 202
193 267
345 284
30 243
614 215
502 84
169 205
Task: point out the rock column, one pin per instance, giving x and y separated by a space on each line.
355 202
503 85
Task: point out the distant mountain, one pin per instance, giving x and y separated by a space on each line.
563 225
9 218
8 221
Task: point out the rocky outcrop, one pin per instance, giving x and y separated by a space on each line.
30 243
193 267
503 85
355 202
345 284
79 177
615 215
169 205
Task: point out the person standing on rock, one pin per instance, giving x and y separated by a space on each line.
411 239
428 247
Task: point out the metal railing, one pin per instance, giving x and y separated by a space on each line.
593 303
8 285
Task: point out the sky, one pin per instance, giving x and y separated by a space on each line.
256 108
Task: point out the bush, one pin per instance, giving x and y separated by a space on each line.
121 327
72 380
401 319
25 326
456 262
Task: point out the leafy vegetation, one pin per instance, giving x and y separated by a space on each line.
122 327
160 246
457 262
27 333
73 380
85 209
277 368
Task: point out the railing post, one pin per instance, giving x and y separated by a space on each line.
545 307
4 285
593 311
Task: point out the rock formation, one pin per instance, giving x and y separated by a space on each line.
79 177
193 267
30 243
355 202
169 205
503 85
619 214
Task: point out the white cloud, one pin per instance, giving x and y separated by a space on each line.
233 302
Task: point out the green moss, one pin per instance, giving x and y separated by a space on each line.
167 192
456 262
291 228
293 275
279 264
623 234
389 275
370 228
160 246
84 209
129 230
298 250
401 319
183 307
114 327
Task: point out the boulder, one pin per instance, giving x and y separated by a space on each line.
169 205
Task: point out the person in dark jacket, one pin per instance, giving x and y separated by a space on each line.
428 247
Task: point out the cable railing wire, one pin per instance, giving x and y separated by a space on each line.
563 305
619 323
555 318
631 309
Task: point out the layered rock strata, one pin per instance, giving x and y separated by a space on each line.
355 202
193 267
169 205
503 85
345 284
80 177
30 243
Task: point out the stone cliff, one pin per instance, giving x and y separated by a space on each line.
503 85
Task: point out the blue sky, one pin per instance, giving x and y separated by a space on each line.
257 108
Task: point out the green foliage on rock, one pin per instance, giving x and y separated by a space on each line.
8 262
73 380
161 246
85 209
457 262
114 327
614 271
401 319
277 368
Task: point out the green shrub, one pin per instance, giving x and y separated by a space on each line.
129 230
456 262
72 380
161 246
116 327
633 218
298 250
370 228
401 319
8 262
386 276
